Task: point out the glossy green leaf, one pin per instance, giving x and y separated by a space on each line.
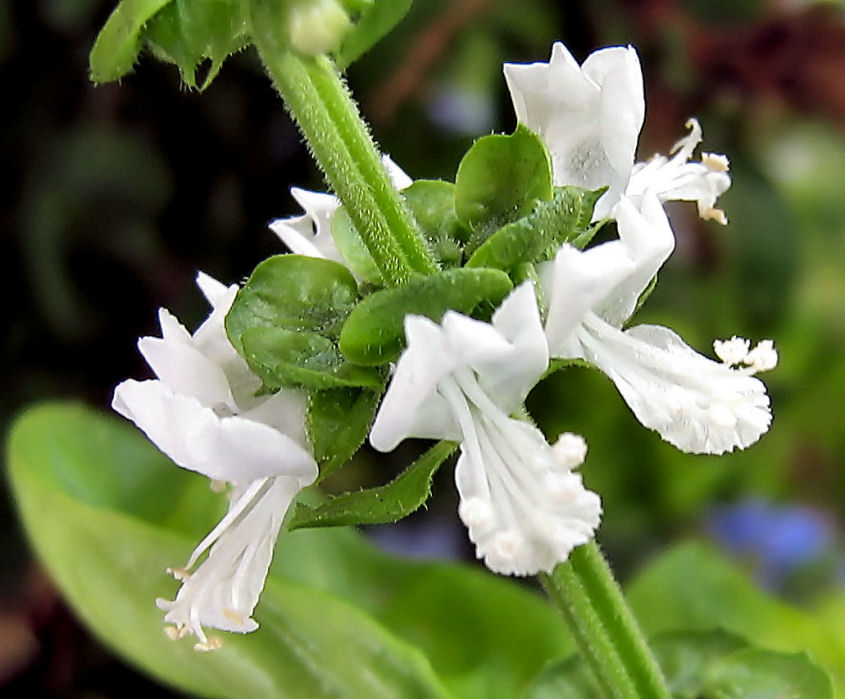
387 503
432 202
499 180
538 236
375 21
686 656
188 32
374 332
701 665
352 248
107 513
120 40
765 674
282 357
295 293
108 556
338 421
691 587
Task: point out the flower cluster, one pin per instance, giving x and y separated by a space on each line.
461 378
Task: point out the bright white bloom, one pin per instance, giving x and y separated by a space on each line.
695 403
311 233
203 413
460 380
590 117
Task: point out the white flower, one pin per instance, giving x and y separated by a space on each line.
590 117
695 403
460 380
203 412
311 233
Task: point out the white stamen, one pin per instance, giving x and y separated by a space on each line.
733 351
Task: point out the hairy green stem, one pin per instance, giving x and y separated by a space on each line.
603 626
340 142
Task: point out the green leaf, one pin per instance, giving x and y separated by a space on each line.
538 236
187 32
387 503
701 665
685 657
374 333
432 202
352 248
120 40
295 293
282 357
499 180
107 512
691 587
108 556
338 421
375 21
765 674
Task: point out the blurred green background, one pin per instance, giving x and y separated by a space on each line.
119 193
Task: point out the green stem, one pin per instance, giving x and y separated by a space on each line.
340 142
603 626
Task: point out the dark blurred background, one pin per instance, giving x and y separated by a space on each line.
116 195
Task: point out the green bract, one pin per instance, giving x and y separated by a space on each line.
499 181
338 421
432 203
538 236
352 248
286 319
381 505
190 32
374 333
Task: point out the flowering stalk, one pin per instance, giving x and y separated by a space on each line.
605 630
341 144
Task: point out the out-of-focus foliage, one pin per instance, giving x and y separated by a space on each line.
338 618
120 193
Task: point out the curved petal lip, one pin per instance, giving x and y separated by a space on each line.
227 448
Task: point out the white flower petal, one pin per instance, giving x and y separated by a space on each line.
310 234
508 356
588 117
227 448
524 507
397 175
648 240
188 371
699 405
224 590
575 282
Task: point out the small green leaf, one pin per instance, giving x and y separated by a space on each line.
432 202
352 248
374 333
381 505
538 236
187 32
375 21
766 674
499 181
120 40
295 293
282 357
338 421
